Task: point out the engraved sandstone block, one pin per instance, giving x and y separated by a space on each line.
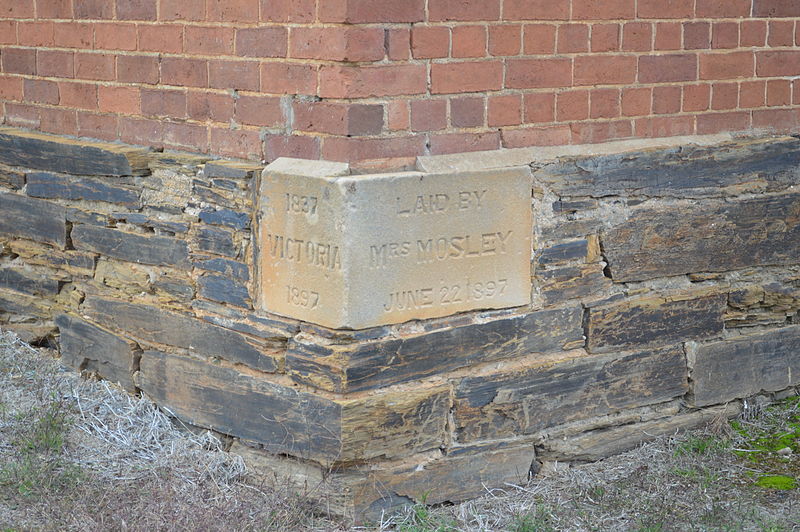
358 251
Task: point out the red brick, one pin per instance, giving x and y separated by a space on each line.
258 110
21 115
795 92
162 38
454 78
361 11
398 44
781 33
573 38
778 63
288 10
55 63
35 33
397 115
430 42
535 10
636 101
137 9
115 36
8 32
467 111
18 61
637 36
137 69
442 10
211 106
164 103
208 40
708 124
184 72
16 9
668 36
597 70
98 67
339 43
505 110
664 126
61 121
779 92
696 97
539 107
724 96
80 95
536 136
445 143
753 33
355 149
665 8
320 117
666 100
776 8
777 120
722 8
185 136
667 68
61 9
40 91
595 132
725 35
92 9
291 146
141 131
337 81
604 103
727 65
189 10
538 73
605 37
232 10
364 119
10 88
539 39
243 143
696 35
122 100
73 34
572 105
240 75
261 42
288 78
469 41
603 9
505 39
752 94
97 126
428 115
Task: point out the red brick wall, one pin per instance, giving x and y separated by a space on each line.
366 79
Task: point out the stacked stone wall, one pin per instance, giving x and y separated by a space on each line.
666 288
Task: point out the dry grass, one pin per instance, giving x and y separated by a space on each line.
82 455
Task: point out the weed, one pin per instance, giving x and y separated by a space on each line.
776 482
699 445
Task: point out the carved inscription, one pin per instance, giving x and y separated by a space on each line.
362 251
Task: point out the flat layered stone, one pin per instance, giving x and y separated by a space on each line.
510 403
746 365
23 280
34 219
224 290
154 250
52 186
360 251
367 365
716 237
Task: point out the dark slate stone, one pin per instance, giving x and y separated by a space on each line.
58 154
143 220
229 268
216 241
565 252
224 290
230 169
51 186
654 320
719 236
363 366
676 171
745 365
33 218
86 347
156 250
525 401
225 184
24 305
12 179
572 282
258 331
181 290
573 206
152 324
22 281
201 191
280 418
226 217
78 216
